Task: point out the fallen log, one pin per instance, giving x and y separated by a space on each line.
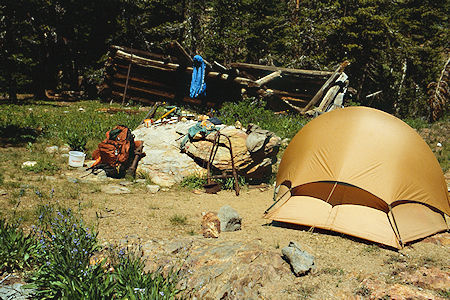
314 73
326 85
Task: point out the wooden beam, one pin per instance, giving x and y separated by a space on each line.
325 86
332 92
284 70
183 57
266 79
149 82
294 99
144 53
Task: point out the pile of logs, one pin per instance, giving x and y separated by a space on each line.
149 77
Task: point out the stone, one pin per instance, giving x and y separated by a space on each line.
29 164
229 219
381 290
301 261
430 278
52 149
222 269
3 193
164 164
15 291
126 183
115 189
141 180
153 188
247 163
64 149
210 225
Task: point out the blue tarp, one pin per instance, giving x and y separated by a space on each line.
198 85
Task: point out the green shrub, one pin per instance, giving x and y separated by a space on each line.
253 111
193 182
76 141
17 250
65 246
134 283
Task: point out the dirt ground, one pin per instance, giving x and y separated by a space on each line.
344 264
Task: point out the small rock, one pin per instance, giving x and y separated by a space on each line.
210 225
81 109
285 142
29 164
64 149
301 261
141 180
439 144
125 183
229 219
72 180
115 189
153 188
3 193
51 149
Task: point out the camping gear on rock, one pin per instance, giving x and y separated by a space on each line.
76 159
198 85
365 173
211 186
116 153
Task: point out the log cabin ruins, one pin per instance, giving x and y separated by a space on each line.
149 77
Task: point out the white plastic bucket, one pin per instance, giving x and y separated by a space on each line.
76 158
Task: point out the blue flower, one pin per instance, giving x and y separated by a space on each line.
161 293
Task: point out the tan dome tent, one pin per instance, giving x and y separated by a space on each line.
365 173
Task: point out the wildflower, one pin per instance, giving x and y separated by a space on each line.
161 293
48 263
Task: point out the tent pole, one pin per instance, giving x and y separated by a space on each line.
270 207
396 227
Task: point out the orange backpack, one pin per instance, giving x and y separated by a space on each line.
114 153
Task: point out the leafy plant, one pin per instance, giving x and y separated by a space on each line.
134 283
65 246
193 182
17 250
76 141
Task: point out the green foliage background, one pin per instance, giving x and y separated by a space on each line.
397 47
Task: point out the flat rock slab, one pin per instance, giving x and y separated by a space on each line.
216 269
301 261
115 189
164 163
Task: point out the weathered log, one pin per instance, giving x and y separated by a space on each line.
156 56
145 61
266 79
325 87
137 79
332 92
284 70
297 100
183 57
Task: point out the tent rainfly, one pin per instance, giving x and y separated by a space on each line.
365 173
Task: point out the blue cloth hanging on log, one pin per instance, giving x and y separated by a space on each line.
198 85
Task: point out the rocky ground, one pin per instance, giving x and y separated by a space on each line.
165 224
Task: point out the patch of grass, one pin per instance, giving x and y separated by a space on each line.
444 293
43 165
178 220
332 271
363 291
253 111
193 182
17 250
417 123
371 249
